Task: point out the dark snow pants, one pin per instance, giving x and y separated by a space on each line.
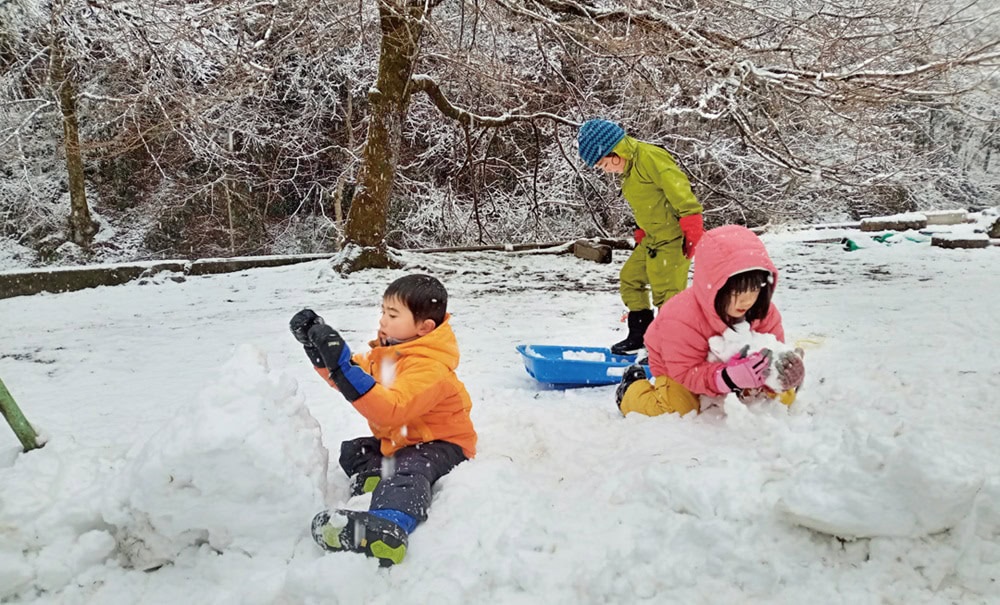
407 476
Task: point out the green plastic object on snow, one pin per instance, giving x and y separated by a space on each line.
886 238
849 244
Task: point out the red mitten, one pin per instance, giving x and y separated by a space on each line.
638 234
693 227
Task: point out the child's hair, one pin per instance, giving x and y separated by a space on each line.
423 295
746 281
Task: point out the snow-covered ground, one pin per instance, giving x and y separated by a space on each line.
189 437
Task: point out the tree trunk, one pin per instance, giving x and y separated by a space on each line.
81 226
402 25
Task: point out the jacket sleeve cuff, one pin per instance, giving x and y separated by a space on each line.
352 382
722 383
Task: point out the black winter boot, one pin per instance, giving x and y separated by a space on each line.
362 532
638 321
632 374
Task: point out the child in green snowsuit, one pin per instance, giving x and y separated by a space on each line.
665 209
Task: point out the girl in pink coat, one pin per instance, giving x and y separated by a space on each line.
734 280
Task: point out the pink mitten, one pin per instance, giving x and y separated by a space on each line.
791 371
744 373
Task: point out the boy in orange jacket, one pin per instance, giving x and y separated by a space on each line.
416 407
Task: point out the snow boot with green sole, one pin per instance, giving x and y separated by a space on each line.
360 531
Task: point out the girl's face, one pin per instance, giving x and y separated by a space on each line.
397 323
613 163
740 303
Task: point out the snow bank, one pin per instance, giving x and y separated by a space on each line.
51 529
881 487
241 468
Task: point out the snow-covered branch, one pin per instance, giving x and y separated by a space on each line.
243 121
427 85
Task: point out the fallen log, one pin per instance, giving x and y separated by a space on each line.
599 253
615 244
954 242
897 222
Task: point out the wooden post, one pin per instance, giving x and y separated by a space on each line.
25 433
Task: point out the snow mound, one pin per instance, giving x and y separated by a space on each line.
881 487
247 443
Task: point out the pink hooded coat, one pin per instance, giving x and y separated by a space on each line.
677 340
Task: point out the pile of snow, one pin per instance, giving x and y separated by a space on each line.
246 444
870 486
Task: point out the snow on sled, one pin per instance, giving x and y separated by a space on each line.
574 366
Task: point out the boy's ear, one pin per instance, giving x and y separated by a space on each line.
425 327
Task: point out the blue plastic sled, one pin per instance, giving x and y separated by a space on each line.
574 366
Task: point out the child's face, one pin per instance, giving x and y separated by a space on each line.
612 163
397 323
740 303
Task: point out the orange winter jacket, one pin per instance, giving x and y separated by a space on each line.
417 396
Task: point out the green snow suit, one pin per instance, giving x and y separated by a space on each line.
659 194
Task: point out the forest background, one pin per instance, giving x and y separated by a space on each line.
157 129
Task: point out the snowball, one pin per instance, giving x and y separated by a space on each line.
723 347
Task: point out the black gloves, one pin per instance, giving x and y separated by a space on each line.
327 349
330 345
300 324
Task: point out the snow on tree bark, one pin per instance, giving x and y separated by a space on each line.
82 227
402 25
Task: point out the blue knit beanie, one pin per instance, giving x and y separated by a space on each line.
597 138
